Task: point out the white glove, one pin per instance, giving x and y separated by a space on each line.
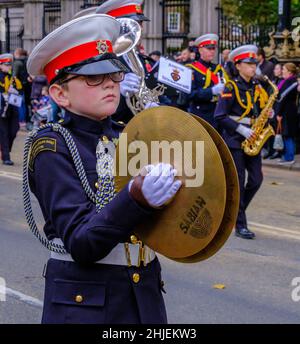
130 84
218 89
271 113
151 105
244 131
159 184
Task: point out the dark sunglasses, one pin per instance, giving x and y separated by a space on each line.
96 80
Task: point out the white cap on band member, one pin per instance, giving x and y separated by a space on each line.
78 47
208 40
245 53
123 8
6 58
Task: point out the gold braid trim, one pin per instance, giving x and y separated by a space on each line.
262 95
208 79
249 105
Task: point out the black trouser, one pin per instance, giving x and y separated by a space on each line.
9 127
248 189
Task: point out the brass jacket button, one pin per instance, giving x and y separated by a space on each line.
133 239
136 278
78 298
97 185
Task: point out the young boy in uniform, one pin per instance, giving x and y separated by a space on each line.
99 279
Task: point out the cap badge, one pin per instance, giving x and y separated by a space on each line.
102 47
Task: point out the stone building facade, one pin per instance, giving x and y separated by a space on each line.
27 21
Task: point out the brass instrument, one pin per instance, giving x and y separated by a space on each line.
252 147
126 44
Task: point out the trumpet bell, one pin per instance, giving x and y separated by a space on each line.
130 35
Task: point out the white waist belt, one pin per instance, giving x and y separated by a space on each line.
117 255
243 120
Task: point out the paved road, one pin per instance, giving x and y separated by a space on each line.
256 274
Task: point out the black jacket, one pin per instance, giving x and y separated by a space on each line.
287 108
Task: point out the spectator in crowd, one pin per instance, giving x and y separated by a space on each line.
42 109
155 55
20 72
286 111
277 74
177 56
38 83
227 64
186 56
264 67
270 153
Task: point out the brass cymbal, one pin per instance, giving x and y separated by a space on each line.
189 223
232 199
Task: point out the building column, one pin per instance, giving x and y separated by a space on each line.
152 35
204 17
33 23
69 8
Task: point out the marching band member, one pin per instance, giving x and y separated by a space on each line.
239 104
103 277
207 81
9 114
130 85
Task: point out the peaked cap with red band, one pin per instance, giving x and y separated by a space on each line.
209 40
83 46
6 59
123 9
245 53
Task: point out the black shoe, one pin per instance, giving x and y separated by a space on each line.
8 162
274 156
244 233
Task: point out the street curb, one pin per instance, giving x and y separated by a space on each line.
294 167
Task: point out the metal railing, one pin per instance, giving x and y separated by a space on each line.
51 16
233 34
176 25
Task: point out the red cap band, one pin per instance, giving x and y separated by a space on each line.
75 55
203 44
5 60
132 9
244 56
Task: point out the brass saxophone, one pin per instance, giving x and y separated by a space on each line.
253 147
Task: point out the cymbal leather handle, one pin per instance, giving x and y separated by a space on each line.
136 191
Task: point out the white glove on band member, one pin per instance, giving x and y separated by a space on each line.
218 89
244 131
130 84
151 105
159 185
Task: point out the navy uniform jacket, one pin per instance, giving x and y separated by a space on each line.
202 101
233 103
109 294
